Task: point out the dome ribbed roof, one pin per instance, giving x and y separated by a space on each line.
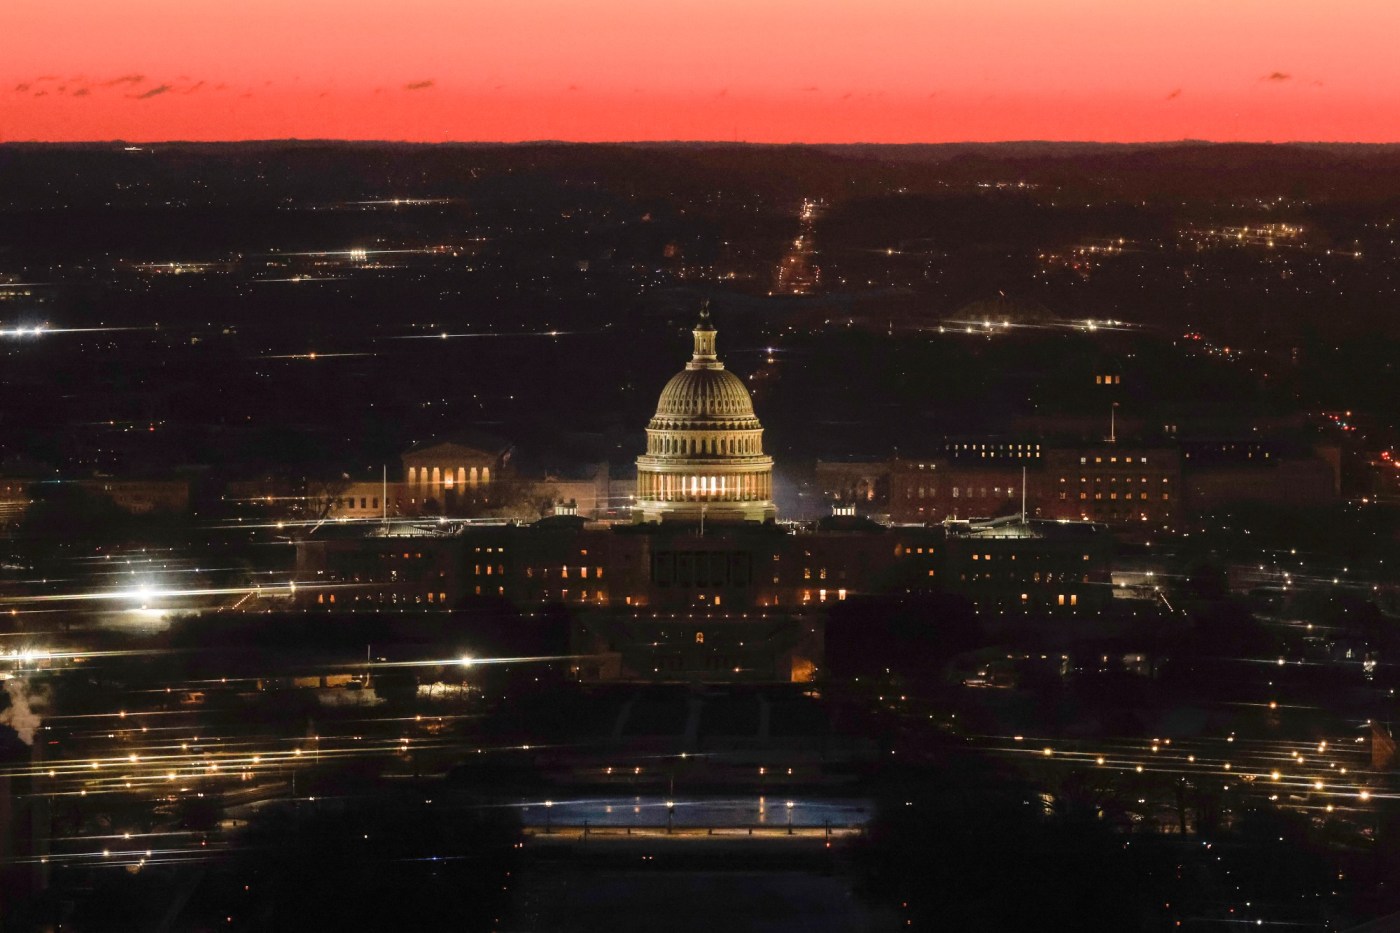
705 394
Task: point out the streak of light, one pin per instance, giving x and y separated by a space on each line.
301 278
534 333
148 594
310 356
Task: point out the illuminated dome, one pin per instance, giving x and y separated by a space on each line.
704 393
704 446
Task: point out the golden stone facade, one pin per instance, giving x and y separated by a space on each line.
704 459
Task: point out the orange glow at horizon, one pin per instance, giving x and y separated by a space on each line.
751 70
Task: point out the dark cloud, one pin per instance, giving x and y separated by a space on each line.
1174 94
572 87
81 92
418 86
153 92
41 93
21 88
193 87
1277 76
124 79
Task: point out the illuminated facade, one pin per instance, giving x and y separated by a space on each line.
451 477
704 458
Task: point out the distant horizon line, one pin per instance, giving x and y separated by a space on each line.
1184 141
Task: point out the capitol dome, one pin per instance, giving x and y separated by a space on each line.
704 454
705 393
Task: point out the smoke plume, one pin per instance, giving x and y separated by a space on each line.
20 716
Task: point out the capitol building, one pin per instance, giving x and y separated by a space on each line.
704 459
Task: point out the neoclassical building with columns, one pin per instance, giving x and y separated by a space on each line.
454 474
704 459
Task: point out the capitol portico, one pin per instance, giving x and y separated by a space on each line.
704 459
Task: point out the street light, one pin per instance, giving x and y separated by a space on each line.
670 815
789 817
548 809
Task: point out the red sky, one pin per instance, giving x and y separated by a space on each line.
755 70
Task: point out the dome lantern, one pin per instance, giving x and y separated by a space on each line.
704 342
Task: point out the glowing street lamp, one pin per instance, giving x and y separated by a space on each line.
789 817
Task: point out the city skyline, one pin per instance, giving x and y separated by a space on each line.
774 72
